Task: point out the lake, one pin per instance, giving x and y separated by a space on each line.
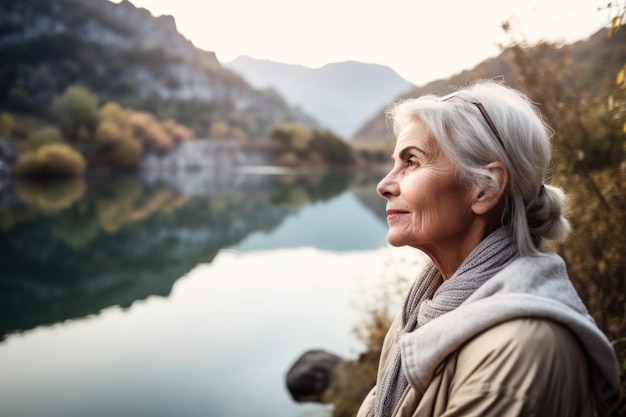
184 295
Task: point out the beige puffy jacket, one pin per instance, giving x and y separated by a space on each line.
523 344
523 367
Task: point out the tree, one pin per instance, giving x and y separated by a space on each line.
292 137
7 124
76 111
42 136
117 144
178 132
147 128
218 130
333 150
589 162
617 99
315 147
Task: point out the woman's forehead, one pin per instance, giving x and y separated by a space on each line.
416 133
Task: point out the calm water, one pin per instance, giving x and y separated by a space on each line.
184 296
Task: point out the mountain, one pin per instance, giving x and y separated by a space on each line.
376 128
340 96
124 53
595 61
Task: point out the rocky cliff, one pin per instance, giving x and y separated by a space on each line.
210 155
123 53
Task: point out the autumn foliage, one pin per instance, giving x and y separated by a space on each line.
88 136
51 160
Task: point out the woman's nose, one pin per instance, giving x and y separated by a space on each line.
387 187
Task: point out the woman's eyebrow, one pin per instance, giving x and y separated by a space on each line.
408 149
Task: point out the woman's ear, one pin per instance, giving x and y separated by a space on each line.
484 200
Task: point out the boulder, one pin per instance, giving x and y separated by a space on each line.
311 375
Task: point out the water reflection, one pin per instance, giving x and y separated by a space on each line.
219 345
193 295
71 249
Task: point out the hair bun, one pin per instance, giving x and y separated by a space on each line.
545 214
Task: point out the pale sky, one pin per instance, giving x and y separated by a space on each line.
421 40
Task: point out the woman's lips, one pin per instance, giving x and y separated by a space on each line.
395 214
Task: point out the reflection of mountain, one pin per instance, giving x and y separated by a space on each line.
366 193
375 203
104 251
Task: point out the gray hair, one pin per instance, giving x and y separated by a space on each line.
533 210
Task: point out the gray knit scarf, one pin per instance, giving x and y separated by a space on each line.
430 297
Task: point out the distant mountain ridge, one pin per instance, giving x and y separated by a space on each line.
340 96
595 61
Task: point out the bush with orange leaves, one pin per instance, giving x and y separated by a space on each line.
179 133
117 144
51 161
148 129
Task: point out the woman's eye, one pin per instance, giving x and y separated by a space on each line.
411 161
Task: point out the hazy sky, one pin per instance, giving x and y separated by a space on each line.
421 40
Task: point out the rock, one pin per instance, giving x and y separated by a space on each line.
208 155
8 156
311 375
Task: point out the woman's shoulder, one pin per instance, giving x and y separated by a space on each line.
536 334
525 341
535 361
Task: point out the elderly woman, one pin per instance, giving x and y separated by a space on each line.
492 326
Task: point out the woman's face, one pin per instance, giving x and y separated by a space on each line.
427 207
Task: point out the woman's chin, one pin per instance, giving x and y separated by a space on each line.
395 241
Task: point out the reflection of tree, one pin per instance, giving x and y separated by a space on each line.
124 241
50 195
116 201
297 190
364 189
76 227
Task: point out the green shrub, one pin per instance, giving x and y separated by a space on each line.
77 114
7 123
125 153
334 150
292 137
117 144
51 160
46 135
